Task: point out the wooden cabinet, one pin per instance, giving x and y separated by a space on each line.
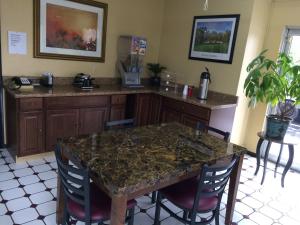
92 120
34 123
118 107
143 109
170 115
31 133
155 109
60 124
187 114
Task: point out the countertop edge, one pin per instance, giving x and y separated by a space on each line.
115 92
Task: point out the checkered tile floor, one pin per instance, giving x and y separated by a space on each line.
28 196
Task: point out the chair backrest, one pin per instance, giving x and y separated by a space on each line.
205 128
213 180
119 124
75 182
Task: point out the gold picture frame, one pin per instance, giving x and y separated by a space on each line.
70 30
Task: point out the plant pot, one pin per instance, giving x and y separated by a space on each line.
155 81
277 127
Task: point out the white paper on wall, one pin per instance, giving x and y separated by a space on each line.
17 43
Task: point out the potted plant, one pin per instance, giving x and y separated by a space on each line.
155 69
276 83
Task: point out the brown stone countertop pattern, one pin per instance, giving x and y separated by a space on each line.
215 100
127 160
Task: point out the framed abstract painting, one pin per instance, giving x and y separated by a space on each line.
213 38
70 29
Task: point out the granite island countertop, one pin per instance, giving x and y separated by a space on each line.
126 160
215 100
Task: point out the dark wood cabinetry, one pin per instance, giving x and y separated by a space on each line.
35 123
60 124
118 107
31 133
143 109
184 113
92 120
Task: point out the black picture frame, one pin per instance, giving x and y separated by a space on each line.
213 38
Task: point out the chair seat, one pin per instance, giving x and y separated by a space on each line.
183 195
100 205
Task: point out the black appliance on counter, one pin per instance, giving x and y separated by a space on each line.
83 81
47 80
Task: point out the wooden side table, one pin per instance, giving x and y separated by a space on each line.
290 143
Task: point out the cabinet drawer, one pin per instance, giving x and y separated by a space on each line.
118 99
31 104
76 102
197 111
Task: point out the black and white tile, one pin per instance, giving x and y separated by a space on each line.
28 196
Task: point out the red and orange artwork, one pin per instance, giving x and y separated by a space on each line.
71 28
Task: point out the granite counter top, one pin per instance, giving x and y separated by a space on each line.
215 100
126 160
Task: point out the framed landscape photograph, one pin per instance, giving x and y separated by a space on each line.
70 29
213 38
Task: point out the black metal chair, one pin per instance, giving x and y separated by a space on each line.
205 128
84 201
195 196
119 124
202 128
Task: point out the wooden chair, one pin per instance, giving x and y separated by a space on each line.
84 201
195 196
119 124
205 128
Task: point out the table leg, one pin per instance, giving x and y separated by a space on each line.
60 205
278 160
258 147
233 189
266 161
118 210
289 163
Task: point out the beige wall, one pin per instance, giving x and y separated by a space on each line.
243 132
136 17
175 42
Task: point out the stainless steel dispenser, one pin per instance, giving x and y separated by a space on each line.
203 87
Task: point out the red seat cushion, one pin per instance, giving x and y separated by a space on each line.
100 205
183 195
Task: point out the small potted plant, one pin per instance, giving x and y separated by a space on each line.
155 69
276 83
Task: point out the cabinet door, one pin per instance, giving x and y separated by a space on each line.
31 133
155 109
92 120
170 115
60 124
191 121
117 113
143 109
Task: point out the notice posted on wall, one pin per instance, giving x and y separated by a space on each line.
17 43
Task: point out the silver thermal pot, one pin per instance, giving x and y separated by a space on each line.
203 86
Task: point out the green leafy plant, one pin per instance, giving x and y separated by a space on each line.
155 68
275 82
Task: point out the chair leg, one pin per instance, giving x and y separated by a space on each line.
153 197
66 217
185 214
217 217
131 216
157 209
